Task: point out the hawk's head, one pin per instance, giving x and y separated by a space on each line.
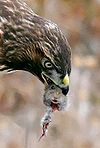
53 55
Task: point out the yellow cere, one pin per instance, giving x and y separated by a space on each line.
66 80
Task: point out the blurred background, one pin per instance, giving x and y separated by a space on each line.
21 105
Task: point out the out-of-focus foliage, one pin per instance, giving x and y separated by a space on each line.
21 106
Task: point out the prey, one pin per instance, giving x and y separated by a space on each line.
54 101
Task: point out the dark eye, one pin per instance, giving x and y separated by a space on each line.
47 64
52 87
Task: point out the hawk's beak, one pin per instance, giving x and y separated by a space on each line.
48 80
65 87
66 80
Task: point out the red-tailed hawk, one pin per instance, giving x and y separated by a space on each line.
31 43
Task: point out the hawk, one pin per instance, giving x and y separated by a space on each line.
31 43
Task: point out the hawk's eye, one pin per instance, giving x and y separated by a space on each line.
47 64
